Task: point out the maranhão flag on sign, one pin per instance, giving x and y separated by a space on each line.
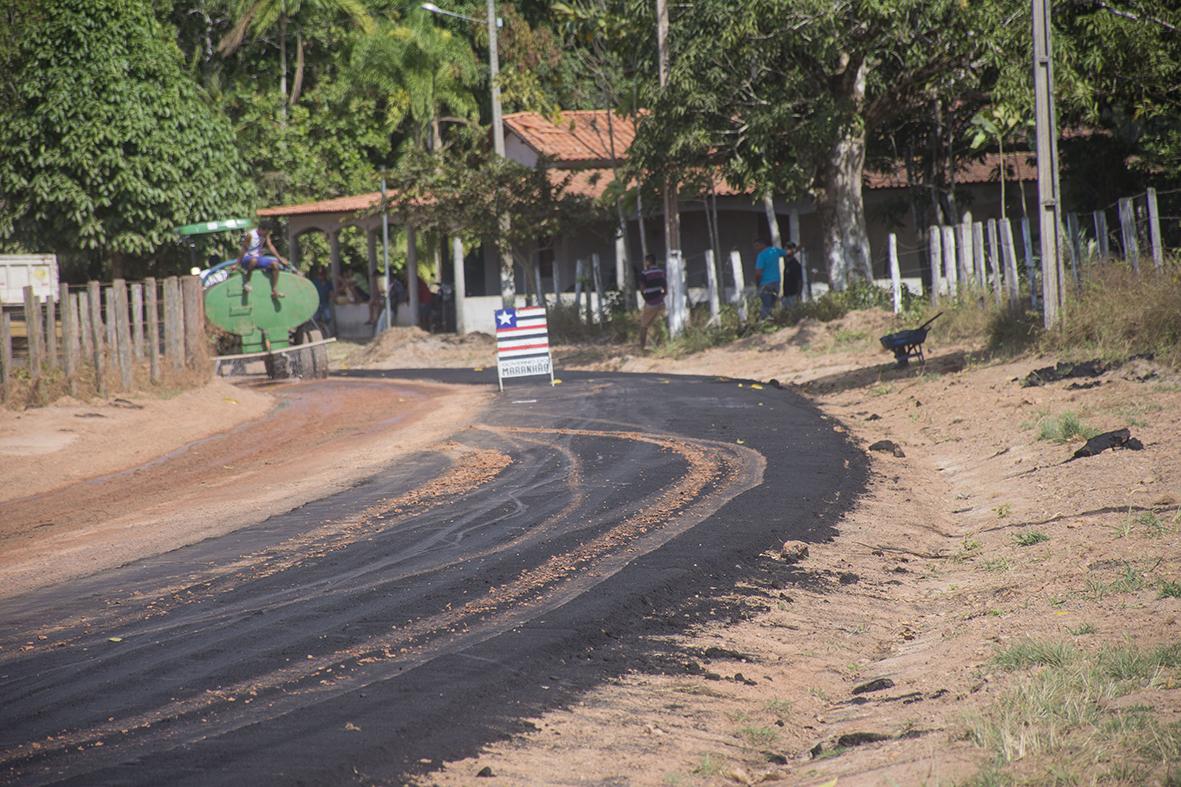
522 343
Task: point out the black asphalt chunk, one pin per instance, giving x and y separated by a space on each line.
367 656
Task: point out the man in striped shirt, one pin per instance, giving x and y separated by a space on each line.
652 286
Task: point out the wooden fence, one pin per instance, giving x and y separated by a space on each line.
99 338
986 258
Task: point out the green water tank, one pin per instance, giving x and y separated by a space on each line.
263 321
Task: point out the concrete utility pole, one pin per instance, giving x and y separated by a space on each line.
675 264
1049 204
494 76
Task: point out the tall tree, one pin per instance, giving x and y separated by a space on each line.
783 92
106 144
257 17
423 74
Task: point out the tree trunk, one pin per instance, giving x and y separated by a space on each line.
772 220
839 199
283 66
297 83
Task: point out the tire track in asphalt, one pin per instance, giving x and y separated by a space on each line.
565 517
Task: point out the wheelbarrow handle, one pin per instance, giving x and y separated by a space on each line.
927 324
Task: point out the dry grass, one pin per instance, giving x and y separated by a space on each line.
1120 314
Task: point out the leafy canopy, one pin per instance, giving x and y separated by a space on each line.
106 144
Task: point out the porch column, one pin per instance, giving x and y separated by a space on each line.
412 273
292 246
334 254
793 225
371 236
460 282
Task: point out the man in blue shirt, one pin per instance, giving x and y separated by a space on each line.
767 276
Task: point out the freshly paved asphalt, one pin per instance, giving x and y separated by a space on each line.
359 639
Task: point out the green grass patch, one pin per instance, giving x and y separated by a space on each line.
1082 630
759 737
1030 537
1170 589
1058 722
998 565
1065 428
710 765
1129 581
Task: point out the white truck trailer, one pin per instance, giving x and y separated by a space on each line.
18 271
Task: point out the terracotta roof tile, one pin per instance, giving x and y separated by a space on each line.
578 136
352 204
1021 166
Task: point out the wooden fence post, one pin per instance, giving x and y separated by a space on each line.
895 272
967 267
173 340
1027 242
194 320
1127 226
950 269
50 333
711 282
122 349
739 284
978 254
5 355
111 324
69 339
994 261
1101 237
94 303
935 253
1076 248
597 275
1009 255
1154 236
153 317
33 332
137 320
85 336
579 275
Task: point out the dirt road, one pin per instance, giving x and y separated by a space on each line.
417 616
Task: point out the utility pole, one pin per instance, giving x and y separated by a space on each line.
675 264
1049 202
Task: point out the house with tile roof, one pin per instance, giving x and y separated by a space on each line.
581 148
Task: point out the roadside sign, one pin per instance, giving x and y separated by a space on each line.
522 344
18 271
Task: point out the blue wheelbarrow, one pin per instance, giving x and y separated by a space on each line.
908 344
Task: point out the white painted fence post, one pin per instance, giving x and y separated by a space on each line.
711 279
895 273
1154 236
739 284
935 252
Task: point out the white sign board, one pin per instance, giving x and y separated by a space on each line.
522 344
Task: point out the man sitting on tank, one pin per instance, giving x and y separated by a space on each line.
252 256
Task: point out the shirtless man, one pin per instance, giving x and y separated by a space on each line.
254 243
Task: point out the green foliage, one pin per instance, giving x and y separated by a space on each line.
1029 538
418 72
106 144
1065 428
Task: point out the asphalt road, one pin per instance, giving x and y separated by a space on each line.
431 609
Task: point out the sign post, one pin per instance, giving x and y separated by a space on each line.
522 344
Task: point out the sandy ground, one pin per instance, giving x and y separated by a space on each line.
197 466
925 583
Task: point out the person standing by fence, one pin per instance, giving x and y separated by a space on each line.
767 276
793 275
653 286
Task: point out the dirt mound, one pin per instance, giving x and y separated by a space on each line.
414 348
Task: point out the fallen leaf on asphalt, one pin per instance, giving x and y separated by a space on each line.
756 386
351 727
740 441
114 639
477 368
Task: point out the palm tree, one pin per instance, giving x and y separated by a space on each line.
424 74
259 16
